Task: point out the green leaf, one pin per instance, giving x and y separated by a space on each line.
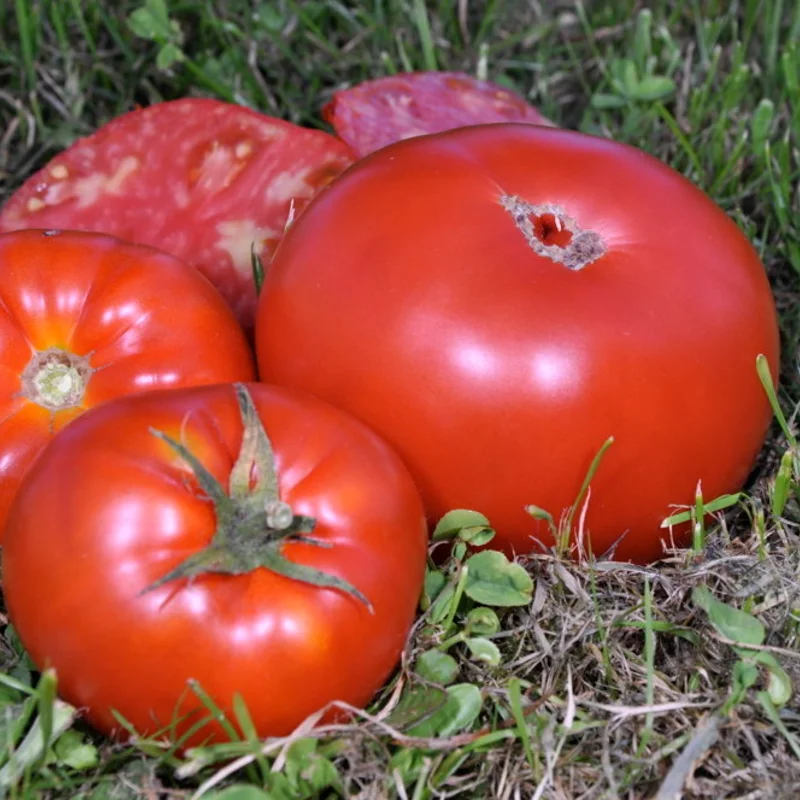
518 713
151 21
257 268
31 750
242 715
407 763
642 40
717 504
435 581
168 55
437 667
464 702
782 486
453 521
416 704
240 792
625 75
46 693
477 535
602 100
484 650
653 87
142 24
494 581
779 684
730 622
482 621
307 771
775 718
14 721
539 513
270 17
745 674
72 750
765 376
760 125
441 606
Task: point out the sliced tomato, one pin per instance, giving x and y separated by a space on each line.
272 548
203 180
376 113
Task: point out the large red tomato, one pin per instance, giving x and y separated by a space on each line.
378 112
499 301
85 318
133 569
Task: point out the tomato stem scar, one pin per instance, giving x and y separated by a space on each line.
56 379
552 233
253 523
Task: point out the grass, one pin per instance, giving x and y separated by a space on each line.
613 680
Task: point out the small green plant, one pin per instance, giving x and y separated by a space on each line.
746 635
152 21
457 598
36 731
637 79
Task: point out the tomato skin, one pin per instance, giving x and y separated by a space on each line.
109 508
407 295
141 318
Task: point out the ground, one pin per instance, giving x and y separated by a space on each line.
615 681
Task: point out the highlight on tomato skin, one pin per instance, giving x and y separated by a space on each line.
500 301
86 317
213 541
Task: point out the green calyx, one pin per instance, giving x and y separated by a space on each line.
253 523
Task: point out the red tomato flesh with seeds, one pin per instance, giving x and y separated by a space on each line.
85 318
202 179
500 300
110 508
382 111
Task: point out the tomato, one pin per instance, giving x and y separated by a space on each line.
499 301
162 570
378 112
204 180
85 318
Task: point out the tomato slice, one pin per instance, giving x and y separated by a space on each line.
379 112
198 178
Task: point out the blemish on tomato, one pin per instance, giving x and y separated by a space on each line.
552 233
59 172
243 149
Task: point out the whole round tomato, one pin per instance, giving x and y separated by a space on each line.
499 301
87 317
247 538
